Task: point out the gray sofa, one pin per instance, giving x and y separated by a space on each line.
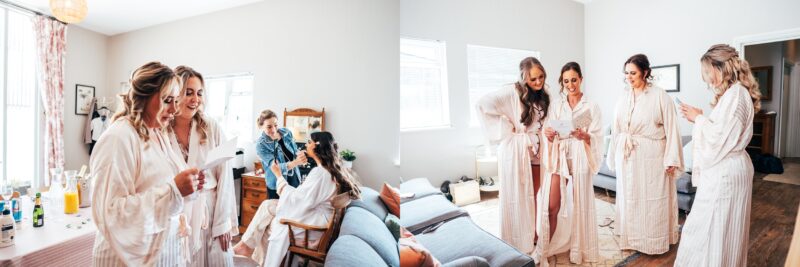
607 179
449 233
364 239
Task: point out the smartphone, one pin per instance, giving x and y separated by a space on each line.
678 101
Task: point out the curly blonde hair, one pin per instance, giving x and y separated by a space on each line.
732 68
186 73
150 80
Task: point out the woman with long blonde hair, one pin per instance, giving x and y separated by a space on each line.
140 182
212 215
716 232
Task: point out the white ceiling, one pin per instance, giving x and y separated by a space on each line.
113 17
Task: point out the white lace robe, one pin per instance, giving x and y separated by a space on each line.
716 232
213 212
645 141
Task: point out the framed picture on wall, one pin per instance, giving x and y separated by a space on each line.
83 99
667 77
763 77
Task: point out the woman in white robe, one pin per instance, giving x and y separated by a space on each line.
646 152
567 220
512 120
716 232
140 186
212 215
309 203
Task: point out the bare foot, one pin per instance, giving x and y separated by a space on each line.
242 249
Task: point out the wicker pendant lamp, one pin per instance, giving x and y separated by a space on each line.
69 11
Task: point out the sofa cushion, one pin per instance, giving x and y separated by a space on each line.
390 198
604 170
684 184
371 201
420 187
460 238
419 214
471 261
364 225
350 251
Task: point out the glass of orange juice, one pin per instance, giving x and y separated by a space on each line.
71 201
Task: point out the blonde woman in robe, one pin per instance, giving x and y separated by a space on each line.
512 120
716 232
141 183
567 220
212 215
308 204
646 153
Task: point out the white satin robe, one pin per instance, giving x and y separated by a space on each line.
517 148
716 232
309 204
135 201
576 163
213 212
645 141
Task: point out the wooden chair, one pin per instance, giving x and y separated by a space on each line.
329 233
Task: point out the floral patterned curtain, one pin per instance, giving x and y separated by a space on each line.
51 41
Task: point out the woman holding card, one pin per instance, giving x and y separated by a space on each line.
716 232
646 152
212 215
141 182
566 203
512 119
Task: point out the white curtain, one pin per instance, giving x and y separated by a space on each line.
793 138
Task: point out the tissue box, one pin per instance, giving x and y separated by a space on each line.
465 193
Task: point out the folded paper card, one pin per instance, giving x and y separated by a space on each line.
220 154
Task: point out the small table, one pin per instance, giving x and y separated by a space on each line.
65 243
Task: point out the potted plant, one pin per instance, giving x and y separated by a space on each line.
348 157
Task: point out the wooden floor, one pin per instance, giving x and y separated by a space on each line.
772 220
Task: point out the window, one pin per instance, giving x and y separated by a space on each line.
423 85
21 158
230 103
488 69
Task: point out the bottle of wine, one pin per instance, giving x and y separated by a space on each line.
38 212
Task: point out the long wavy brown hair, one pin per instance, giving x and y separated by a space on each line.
528 96
726 60
187 73
328 153
150 80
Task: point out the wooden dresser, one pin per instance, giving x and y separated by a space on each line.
763 133
254 191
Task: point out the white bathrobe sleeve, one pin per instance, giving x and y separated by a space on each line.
133 222
611 154
715 139
310 194
494 111
225 216
595 150
673 150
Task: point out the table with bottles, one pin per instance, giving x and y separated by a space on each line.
65 238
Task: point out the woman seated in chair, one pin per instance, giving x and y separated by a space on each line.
308 204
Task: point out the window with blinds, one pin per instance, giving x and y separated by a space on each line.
489 68
423 85
20 117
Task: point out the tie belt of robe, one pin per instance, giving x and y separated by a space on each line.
629 142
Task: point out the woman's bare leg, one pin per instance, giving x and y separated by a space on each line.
537 183
555 202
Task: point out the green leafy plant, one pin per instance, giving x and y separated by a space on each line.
348 155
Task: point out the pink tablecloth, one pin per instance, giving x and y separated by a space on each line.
67 242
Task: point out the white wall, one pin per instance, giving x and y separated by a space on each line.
669 32
553 27
341 55
85 63
770 54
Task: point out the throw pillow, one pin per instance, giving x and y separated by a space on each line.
391 198
412 253
393 223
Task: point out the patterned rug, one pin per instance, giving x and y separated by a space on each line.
486 214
